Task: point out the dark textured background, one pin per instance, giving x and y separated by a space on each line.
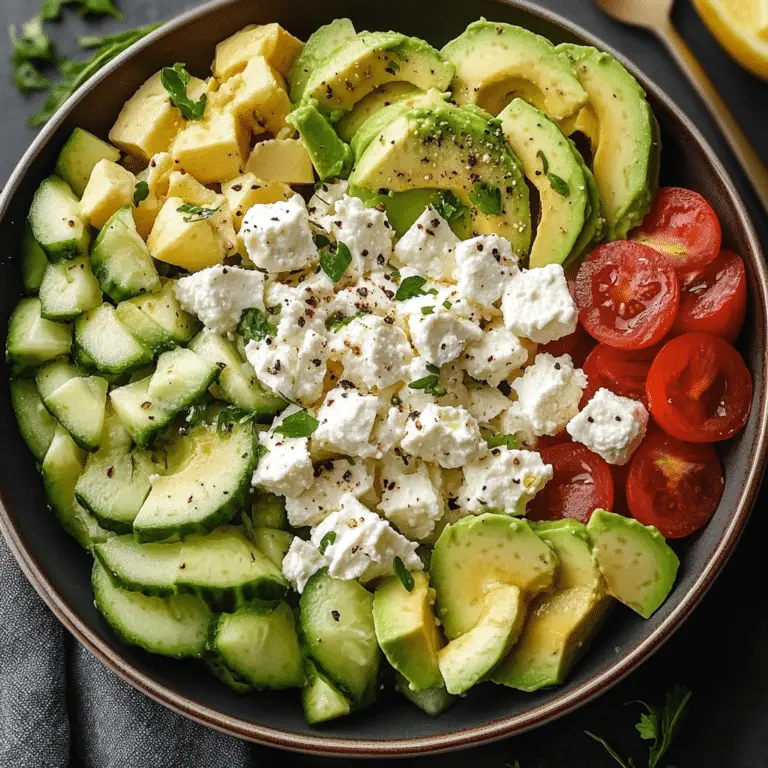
721 652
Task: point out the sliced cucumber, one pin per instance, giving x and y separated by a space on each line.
147 568
166 311
181 378
238 383
51 376
208 484
433 701
33 340
321 699
228 571
78 157
141 416
108 343
35 422
261 647
268 510
337 627
143 328
69 288
176 626
273 543
220 671
56 221
80 405
33 262
121 260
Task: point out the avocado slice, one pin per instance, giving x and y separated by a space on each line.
406 630
331 157
497 62
637 564
466 660
593 230
379 98
626 153
477 551
320 46
432 702
551 163
456 149
370 60
560 625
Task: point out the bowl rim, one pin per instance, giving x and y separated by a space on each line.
320 743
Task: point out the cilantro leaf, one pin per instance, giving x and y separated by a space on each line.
502 441
410 287
403 574
30 50
487 197
299 424
559 184
326 541
611 751
140 192
429 384
449 206
175 80
335 261
254 326
99 8
662 727
50 10
28 78
197 213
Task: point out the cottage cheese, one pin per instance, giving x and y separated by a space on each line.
219 295
411 502
441 336
428 246
277 236
549 392
322 205
445 435
486 403
367 234
514 422
537 304
483 265
366 297
611 426
301 562
301 308
346 421
495 356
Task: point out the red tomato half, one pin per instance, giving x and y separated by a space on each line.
581 484
714 300
699 389
578 345
683 228
624 373
627 295
673 485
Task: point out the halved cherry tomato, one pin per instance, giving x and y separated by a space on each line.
673 485
620 474
581 484
578 345
699 388
683 227
715 299
627 295
624 373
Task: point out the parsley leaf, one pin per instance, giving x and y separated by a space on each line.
410 287
140 192
427 311
502 441
335 261
430 384
662 727
326 541
175 80
449 206
31 49
338 321
50 10
230 416
559 184
197 213
321 241
99 8
487 197
403 574
299 424
28 78
611 751
254 326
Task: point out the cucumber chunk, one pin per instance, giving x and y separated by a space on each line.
261 647
433 701
140 415
321 699
210 476
56 221
175 626
228 571
62 466
35 422
238 383
69 288
121 260
108 343
51 376
273 543
147 568
166 311
78 157
181 378
143 328
218 669
33 340
337 627
80 405
33 262
268 510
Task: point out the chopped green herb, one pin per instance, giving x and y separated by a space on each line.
321 241
299 424
276 310
395 275
502 441
99 8
558 184
31 49
432 368
261 452
544 162
175 80
395 401
140 192
447 304
335 262
487 197
433 291
196 212
326 541
410 287
338 321
449 206
50 10
115 38
196 415
427 311
611 751
230 416
403 574
662 726
254 326
28 78
429 384
392 66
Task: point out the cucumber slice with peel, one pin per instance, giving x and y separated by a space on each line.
56 221
148 568
79 156
165 310
35 422
321 699
33 340
68 289
181 378
433 701
141 416
80 405
143 328
273 543
34 262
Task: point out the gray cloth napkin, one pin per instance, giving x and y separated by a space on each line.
59 706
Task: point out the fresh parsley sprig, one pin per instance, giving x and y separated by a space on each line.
487 197
411 287
335 260
430 384
175 80
299 424
140 192
254 326
31 49
196 212
449 206
51 9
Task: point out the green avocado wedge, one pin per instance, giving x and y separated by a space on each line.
331 157
378 99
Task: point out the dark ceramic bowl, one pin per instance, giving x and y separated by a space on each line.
59 569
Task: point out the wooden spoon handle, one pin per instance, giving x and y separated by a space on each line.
750 161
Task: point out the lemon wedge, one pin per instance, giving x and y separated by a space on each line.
741 27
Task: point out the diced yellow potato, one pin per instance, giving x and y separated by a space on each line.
185 240
285 160
271 41
148 122
213 149
247 190
109 188
157 175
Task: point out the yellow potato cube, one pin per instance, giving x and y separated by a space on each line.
185 240
285 160
148 122
157 176
271 41
247 190
109 188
